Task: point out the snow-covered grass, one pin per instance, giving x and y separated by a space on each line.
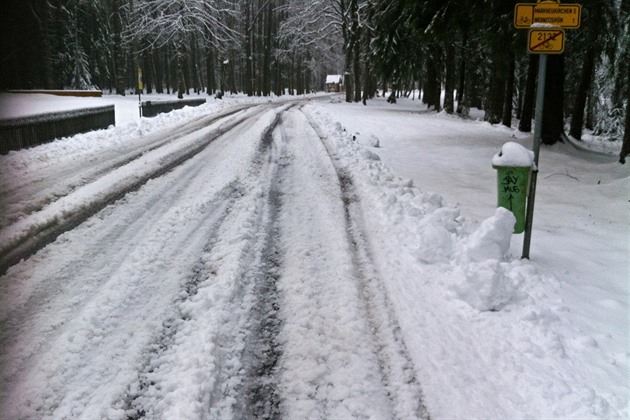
491 336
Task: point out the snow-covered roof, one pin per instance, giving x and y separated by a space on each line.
334 78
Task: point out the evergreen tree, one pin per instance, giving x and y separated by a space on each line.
594 41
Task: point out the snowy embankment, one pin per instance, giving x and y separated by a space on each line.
492 336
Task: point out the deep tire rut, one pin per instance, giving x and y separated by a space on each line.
396 366
255 380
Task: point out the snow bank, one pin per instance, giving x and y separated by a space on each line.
429 231
489 334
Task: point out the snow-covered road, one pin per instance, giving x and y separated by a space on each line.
218 270
256 258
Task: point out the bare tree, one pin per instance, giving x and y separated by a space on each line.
158 23
328 31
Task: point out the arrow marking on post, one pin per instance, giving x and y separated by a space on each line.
510 198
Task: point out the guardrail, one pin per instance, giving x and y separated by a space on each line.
24 132
153 108
80 93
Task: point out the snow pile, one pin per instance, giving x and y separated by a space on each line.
433 233
371 140
513 155
492 240
485 285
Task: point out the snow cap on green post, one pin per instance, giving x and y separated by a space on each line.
513 164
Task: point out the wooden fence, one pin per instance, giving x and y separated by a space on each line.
151 108
24 132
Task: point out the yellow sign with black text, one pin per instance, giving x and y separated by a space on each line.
546 41
567 16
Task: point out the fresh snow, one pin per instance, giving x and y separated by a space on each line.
97 325
513 155
334 78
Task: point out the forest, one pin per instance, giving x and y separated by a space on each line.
458 54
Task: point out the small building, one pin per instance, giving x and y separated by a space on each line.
334 83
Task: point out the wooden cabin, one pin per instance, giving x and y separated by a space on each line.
334 83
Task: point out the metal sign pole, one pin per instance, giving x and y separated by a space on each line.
540 100
543 39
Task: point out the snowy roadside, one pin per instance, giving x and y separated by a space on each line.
491 336
54 169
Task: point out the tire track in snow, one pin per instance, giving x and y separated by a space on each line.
260 396
40 234
84 169
395 363
328 367
245 354
145 280
199 273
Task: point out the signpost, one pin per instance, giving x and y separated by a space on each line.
546 21
546 41
548 13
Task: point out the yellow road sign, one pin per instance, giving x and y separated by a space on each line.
546 41
140 81
563 15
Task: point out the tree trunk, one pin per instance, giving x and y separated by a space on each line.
449 84
463 68
167 67
279 86
187 74
266 68
348 83
625 147
119 58
496 93
147 72
462 85
299 88
181 82
210 77
47 66
520 82
157 66
577 116
357 73
181 85
591 102
509 90
433 82
525 124
232 75
258 57
193 70
553 118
